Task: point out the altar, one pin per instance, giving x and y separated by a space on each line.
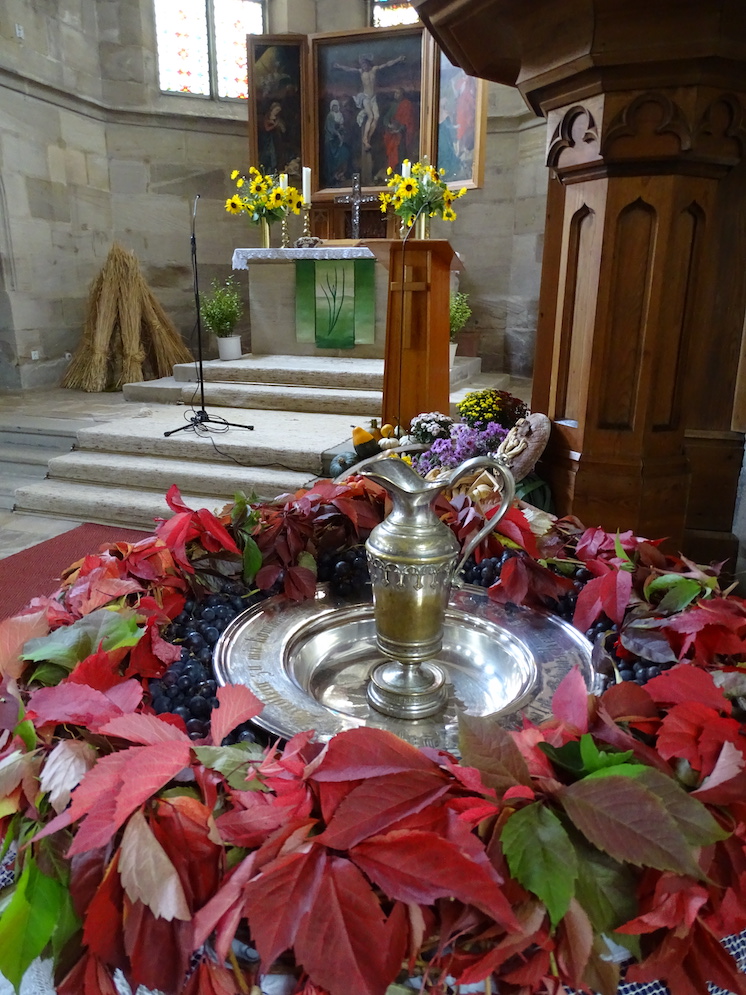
398 311
280 297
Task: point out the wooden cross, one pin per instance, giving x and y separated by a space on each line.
356 198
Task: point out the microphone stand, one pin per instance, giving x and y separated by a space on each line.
200 417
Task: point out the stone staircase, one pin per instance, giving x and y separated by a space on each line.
26 447
302 410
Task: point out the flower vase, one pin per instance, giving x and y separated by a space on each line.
422 226
264 225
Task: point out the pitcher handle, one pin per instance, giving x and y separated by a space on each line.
507 491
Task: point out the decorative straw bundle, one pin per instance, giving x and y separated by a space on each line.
127 336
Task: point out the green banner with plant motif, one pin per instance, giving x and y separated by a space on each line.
335 302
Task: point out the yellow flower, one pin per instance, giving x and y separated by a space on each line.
461 192
276 197
448 197
259 185
396 201
234 174
449 214
234 204
408 188
389 171
385 201
240 182
253 171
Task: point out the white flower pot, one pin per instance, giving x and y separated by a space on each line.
230 347
452 347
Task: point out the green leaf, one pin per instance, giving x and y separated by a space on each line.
541 857
252 559
307 560
233 762
679 596
49 674
595 759
67 924
70 644
605 888
582 757
626 563
28 922
567 757
624 818
625 770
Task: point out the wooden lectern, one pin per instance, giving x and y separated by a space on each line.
416 370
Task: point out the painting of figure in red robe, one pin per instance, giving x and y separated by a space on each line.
460 124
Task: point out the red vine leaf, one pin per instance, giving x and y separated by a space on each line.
378 802
278 898
347 919
420 866
570 701
366 752
237 705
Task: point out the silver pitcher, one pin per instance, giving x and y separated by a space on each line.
412 557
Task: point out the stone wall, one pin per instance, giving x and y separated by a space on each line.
91 153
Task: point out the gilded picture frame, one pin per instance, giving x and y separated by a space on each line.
277 107
370 96
459 125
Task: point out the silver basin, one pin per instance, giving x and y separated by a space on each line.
309 663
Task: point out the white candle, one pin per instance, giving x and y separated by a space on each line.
283 181
306 184
406 169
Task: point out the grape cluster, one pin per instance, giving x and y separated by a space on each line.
346 571
188 688
487 571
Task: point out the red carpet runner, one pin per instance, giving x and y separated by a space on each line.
35 571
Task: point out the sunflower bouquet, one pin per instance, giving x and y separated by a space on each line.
262 197
423 192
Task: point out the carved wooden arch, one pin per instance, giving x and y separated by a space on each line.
628 124
566 136
724 139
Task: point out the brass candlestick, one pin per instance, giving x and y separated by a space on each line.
307 221
285 233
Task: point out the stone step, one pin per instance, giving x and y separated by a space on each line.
280 439
238 391
124 506
295 371
159 474
23 455
322 400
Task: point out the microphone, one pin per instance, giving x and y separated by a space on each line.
194 214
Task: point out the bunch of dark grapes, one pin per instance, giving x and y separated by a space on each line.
188 688
346 571
487 571
629 665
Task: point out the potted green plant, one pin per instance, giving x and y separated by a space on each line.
459 314
220 310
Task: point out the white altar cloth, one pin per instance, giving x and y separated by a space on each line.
243 257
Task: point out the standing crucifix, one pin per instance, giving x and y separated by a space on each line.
356 198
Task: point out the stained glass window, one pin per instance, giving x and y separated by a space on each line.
387 13
202 45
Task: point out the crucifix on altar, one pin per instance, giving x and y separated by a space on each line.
356 198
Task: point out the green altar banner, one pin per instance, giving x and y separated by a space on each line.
335 302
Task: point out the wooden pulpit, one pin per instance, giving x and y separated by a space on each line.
416 369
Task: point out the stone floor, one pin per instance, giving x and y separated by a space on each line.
19 531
